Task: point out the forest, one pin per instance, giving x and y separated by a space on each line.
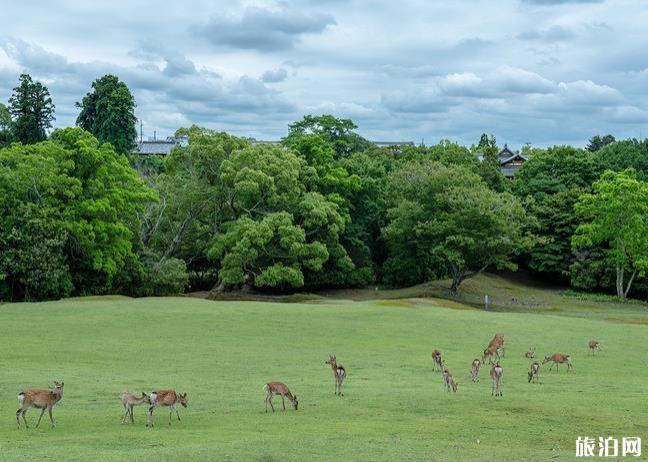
324 208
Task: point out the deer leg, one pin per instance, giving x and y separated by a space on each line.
271 405
24 419
130 411
49 411
41 416
177 414
341 392
125 414
171 409
149 420
283 402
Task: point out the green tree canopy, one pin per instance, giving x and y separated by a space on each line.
32 111
625 154
339 133
5 126
108 112
615 214
597 142
447 222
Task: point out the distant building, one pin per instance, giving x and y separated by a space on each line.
510 161
160 147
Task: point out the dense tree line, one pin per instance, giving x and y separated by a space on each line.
323 208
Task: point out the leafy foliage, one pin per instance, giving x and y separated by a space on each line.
32 111
108 112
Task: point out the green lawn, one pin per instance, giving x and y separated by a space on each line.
221 354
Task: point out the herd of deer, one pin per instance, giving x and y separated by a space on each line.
46 399
494 352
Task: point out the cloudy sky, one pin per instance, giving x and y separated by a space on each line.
540 71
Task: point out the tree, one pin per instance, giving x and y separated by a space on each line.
490 168
550 183
616 215
597 142
447 222
337 132
32 111
5 126
108 112
625 154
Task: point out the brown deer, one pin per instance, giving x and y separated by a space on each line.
533 373
498 340
474 370
594 346
41 399
166 398
496 375
530 354
490 353
559 358
339 374
129 401
438 362
279 388
449 381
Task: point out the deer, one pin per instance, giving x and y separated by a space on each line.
594 346
530 354
499 341
279 388
166 398
496 375
129 401
40 399
449 381
438 362
339 374
533 373
474 370
559 358
489 353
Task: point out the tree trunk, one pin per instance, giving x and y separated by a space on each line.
619 282
625 294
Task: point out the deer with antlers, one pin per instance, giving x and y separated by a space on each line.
437 361
474 370
533 373
496 375
279 388
530 354
559 358
166 398
40 399
594 346
129 401
449 382
339 374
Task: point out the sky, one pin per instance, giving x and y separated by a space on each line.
544 72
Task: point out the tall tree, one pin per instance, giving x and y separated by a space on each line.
616 215
597 142
447 222
32 111
108 112
339 133
5 125
490 169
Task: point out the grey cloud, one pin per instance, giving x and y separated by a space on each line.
552 34
264 30
274 75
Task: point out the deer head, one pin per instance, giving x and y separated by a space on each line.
295 402
183 399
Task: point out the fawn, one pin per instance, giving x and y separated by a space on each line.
438 362
474 370
496 375
533 373
530 354
279 388
449 382
339 374
594 346
41 399
129 401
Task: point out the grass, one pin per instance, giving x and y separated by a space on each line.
222 352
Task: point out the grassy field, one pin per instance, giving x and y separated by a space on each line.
221 353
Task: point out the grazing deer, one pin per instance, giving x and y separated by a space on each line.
530 354
41 399
559 358
594 346
339 374
166 398
129 401
278 388
438 362
474 370
449 381
496 374
498 340
535 370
